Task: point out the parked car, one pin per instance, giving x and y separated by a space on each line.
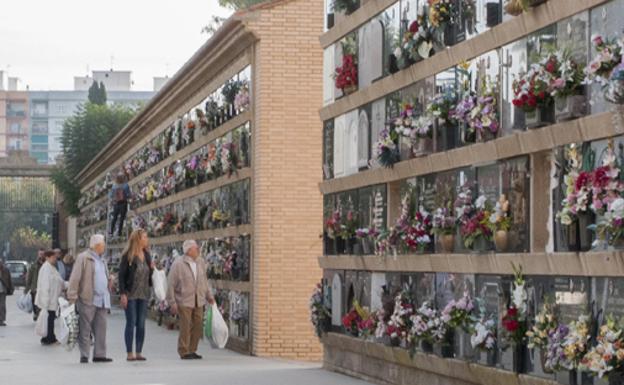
18 271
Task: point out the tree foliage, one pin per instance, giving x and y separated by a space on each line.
84 136
97 93
25 241
239 4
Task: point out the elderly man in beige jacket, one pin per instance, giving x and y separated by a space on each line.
188 292
89 288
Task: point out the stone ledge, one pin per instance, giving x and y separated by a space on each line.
388 365
591 264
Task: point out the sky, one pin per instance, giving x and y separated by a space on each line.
46 43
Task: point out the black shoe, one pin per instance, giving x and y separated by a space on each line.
102 359
189 356
2 324
196 356
84 360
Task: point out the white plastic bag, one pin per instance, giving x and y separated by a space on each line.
159 280
41 327
220 332
69 324
24 303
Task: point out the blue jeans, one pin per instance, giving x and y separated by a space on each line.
135 318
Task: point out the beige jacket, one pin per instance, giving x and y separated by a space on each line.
183 288
81 281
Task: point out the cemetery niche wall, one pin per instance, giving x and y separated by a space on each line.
473 194
201 162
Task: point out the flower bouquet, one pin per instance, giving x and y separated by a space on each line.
367 235
416 44
346 76
606 358
347 229
450 19
544 323
212 113
483 333
475 230
514 320
483 118
444 227
241 102
399 325
229 158
386 149
500 223
320 314
575 344
458 312
606 68
416 131
428 328
440 111
417 234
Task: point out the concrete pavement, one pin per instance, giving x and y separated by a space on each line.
23 361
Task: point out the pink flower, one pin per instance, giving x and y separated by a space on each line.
558 83
597 204
597 40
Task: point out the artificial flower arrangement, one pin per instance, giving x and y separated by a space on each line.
444 227
333 224
544 324
358 321
399 325
346 76
409 125
320 314
606 67
416 43
606 358
483 336
500 223
477 225
514 319
229 158
442 105
611 226
241 101
577 192
575 343
386 149
417 233
458 313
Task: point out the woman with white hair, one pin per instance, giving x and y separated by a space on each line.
89 289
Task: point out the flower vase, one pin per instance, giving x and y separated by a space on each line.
450 34
405 148
481 245
585 219
349 89
447 242
357 247
519 358
570 107
618 244
466 136
366 247
447 346
422 147
573 377
542 357
490 358
395 342
616 378
539 117
501 240
571 235
340 246
426 346
330 20
348 246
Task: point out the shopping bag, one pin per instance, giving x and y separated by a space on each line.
69 324
208 323
24 303
41 327
220 332
159 280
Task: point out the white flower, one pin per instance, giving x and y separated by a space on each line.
480 203
397 52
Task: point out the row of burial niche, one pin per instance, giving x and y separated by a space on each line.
405 33
227 258
352 218
216 209
474 101
573 298
587 196
229 100
478 210
234 306
222 157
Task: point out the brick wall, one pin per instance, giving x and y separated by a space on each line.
287 170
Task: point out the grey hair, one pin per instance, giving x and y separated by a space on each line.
96 239
186 246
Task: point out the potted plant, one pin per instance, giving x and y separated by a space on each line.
444 228
500 223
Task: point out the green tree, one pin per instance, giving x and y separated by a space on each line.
102 94
25 242
84 135
239 4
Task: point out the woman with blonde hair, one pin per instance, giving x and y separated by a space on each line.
135 280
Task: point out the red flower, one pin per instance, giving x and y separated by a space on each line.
583 180
414 27
551 66
600 177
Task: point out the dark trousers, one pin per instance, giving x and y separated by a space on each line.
135 324
36 309
119 213
2 307
50 338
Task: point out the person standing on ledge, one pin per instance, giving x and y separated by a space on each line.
89 289
119 196
187 294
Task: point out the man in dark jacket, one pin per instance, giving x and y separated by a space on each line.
6 288
31 280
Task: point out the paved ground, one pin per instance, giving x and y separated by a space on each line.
24 361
